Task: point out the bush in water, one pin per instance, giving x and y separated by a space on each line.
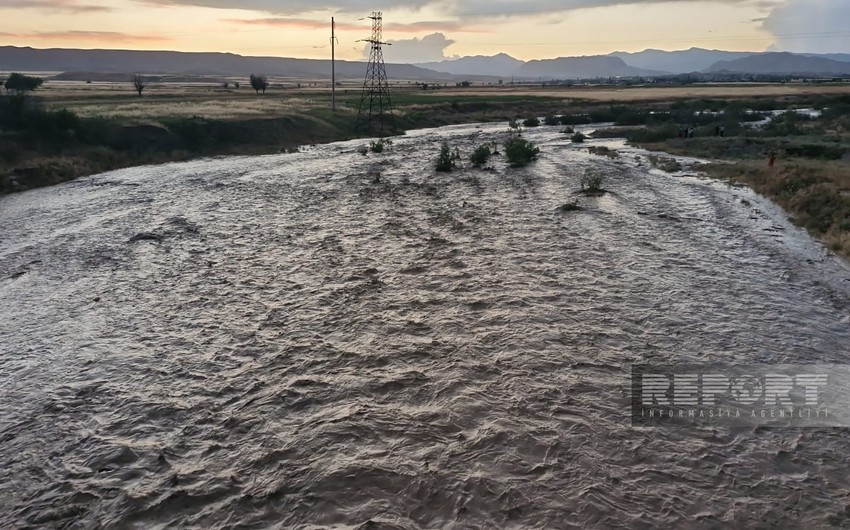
520 152
481 155
445 162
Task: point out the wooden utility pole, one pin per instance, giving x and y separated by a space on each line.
333 64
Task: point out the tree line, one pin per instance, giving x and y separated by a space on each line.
20 84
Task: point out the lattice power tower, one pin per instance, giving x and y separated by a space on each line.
375 101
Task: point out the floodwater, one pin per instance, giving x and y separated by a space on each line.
288 341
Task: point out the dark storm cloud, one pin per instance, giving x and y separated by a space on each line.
296 7
814 26
474 8
491 8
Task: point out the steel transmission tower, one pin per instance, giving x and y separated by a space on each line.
375 100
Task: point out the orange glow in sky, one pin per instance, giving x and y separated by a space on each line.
526 30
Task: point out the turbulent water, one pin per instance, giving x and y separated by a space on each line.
327 339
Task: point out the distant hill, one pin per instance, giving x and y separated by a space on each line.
678 62
504 66
185 63
501 65
840 57
581 67
115 64
782 63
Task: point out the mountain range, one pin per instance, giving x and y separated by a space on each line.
778 63
96 64
14 59
678 62
648 63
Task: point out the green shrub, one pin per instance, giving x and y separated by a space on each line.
446 161
603 151
552 120
578 138
380 145
531 122
196 134
591 183
575 119
20 113
520 152
655 134
481 155
13 111
816 151
568 130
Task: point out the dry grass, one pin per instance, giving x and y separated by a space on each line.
816 193
217 108
107 98
633 94
118 100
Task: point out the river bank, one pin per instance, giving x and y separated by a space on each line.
43 146
811 180
809 176
67 132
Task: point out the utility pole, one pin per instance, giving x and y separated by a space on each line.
375 100
333 64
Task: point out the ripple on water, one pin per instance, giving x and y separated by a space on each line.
277 341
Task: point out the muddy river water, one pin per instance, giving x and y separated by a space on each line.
327 339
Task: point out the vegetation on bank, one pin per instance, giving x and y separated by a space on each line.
42 144
808 136
810 176
40 147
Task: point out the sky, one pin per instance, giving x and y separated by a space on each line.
430 30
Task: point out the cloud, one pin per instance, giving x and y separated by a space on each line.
427 49
416 27
66 6
435 26
297 7
471 9
810 26
505 8
297 23
87 36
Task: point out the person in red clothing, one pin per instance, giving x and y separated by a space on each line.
771 160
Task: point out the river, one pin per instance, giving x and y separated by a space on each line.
288 341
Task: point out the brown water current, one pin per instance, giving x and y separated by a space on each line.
290 342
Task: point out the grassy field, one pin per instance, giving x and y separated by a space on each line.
119 100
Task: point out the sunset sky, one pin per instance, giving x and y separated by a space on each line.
429 30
